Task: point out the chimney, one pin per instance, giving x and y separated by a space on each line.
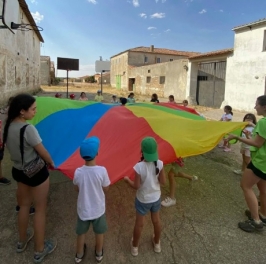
152 48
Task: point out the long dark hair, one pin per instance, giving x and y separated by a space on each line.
155 164
251 117
18 103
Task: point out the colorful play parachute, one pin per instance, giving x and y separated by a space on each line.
180 132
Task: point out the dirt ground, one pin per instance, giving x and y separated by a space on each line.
201 228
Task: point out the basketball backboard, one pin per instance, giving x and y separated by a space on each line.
10 13
101 66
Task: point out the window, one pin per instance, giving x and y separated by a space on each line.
145 59
162 79
202 78
171 59
264 41
158 60
148 79
149 71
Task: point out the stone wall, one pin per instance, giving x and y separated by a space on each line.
45 76
19 62
164 79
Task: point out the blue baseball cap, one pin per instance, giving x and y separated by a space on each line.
89 148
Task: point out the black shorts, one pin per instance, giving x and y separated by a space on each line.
36 180
256 171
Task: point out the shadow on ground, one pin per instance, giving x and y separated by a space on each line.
201 228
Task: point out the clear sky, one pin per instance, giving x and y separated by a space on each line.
87 29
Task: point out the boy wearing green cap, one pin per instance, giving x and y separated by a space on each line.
149 175
91 181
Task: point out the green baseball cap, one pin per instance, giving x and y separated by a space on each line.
149 149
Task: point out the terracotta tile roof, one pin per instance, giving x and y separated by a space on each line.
212 53
160 51
27 12
260 21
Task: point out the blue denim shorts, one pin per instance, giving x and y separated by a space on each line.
144 208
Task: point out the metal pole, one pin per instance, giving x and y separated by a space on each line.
67 84
101 82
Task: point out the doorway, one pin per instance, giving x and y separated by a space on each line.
131 84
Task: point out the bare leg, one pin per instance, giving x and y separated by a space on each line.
40 194
80 244
155 218
24 199
262 188
246 161
99 243
184 175
172 183
249 179
137 229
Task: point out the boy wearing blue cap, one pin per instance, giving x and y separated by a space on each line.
91 181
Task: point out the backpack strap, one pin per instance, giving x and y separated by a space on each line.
21 146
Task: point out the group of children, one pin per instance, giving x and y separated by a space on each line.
245 133
92 182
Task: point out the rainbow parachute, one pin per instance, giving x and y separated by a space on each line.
180 132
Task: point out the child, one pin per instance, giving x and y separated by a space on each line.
123 101
171 99
149 175
246 133
83 97
226 117
130 98
114 100
174 172
154 98
72 96
91 182
58 95
185 103
98 96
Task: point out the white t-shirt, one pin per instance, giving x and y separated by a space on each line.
226 117
91 198
149 190
250 129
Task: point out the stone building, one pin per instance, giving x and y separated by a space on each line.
246 69
106 78
19 57
47 71
144 69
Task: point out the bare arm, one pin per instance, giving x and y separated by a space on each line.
258 141
134 184
44 154
161 177
105 189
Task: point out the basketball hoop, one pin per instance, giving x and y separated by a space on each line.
25 27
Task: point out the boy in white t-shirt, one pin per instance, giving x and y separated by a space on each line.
91 181
149 175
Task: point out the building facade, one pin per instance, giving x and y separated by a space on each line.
246 69
19 58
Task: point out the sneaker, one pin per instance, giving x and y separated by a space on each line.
227 149
4 181
167 202
21 246
195 178
250 226
221 146
99 258
134 250
156 247
77 259
238 172
31 212
49 247
248 214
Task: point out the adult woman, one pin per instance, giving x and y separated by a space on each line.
255 172
36 187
